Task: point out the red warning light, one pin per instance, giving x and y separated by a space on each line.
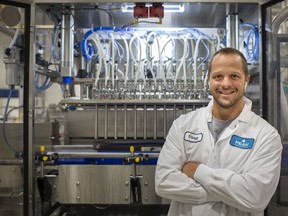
157 10
140 11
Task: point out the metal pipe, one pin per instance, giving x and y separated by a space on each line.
125 121
164 121
67 45
81 91
106 122
11 162
174 112
29 111
67 147
155 122
133 164
96 122
42 168
115 122
145 122
134 101
95 154
135 121
232 29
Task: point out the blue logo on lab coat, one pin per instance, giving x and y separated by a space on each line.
241 142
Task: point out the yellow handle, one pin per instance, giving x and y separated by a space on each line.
131 149
45 158
42 148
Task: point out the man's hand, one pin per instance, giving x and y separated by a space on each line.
189 168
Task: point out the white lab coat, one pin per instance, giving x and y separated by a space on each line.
238 174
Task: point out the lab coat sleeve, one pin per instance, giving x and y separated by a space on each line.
170 182
251 190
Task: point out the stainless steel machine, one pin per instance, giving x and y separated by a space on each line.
101 83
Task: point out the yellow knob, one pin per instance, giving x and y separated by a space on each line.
137 160
45 158
131 149
42 148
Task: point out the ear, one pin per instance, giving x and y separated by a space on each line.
246 81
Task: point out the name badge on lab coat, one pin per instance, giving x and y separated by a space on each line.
241 142
193 137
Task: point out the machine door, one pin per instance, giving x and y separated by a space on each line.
16 177
275 89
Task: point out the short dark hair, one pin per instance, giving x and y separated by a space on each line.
230 51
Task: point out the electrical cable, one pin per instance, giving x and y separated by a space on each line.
135 22
12 109
72 25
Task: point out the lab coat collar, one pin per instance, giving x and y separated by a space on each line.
243 116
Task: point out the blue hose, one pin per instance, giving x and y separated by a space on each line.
47 83
17 154
88 52
252 53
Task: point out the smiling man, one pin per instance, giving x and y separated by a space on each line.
222 159
228 77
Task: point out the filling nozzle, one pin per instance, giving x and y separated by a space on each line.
67 81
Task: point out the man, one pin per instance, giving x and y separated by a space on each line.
222 159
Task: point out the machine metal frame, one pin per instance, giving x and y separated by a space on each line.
105 108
